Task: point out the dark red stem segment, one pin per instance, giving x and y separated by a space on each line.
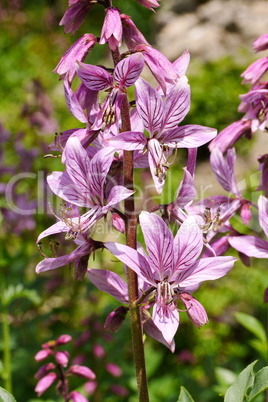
131 228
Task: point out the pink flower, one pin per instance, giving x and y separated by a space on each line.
45 383
172 268
112 29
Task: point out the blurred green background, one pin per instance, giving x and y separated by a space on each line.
32 109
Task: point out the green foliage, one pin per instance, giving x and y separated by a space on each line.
6 396
248 386
185 396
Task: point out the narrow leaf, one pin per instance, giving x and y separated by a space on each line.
6 396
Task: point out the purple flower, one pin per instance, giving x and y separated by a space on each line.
112 29
172 268
261 43
76 14
78 51
149 3
161 118
255 71
97 78
253 246
227 137
131 35
45 383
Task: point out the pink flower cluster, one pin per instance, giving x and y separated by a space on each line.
53 372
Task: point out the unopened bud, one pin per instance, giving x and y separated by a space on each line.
115 319
63 339
62 358
82 371
45 383
118 223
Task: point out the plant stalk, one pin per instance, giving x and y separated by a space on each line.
131 241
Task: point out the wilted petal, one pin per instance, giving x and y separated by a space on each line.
250 245
190 136
73 104
128 70
159 244
109 282
263 213
149 106
45 383
94 77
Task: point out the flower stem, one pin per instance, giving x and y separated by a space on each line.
6 340
131 226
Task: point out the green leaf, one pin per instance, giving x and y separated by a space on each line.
225 378
185 396
14 292
252 324
6 396
260 383
237 391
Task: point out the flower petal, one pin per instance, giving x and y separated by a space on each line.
250 245
167 321
176 105
149 106
128 70
73 103
190 136
205 269
109 282
188 244
94 77
159 244
133 260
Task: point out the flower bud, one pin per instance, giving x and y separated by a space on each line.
77 397
44 370
42 354
115 319
63 339
82 371
245 214
98 351
195 310
45 383
113 369
62 358
118 223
